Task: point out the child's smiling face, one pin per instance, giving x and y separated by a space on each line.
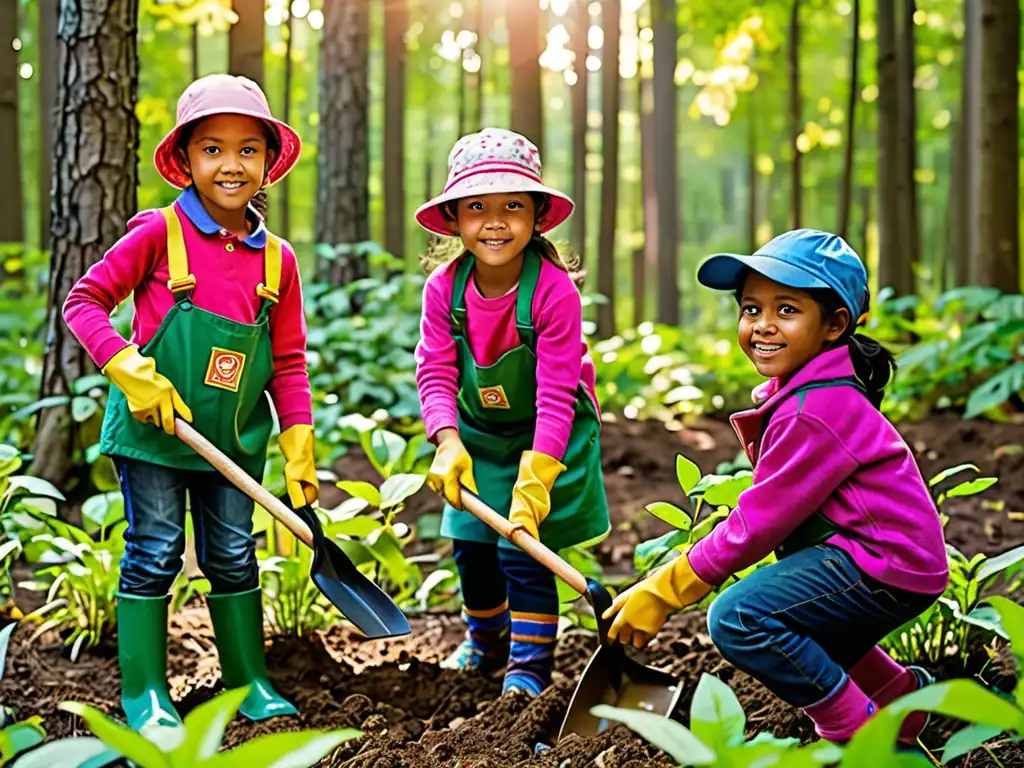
228 158
782 328
495 228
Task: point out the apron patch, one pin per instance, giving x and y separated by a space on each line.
494 397
225 369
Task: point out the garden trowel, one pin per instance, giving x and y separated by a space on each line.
610 677
362 602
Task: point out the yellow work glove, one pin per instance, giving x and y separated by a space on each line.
644 608
300 481
451 469
531 496
152 399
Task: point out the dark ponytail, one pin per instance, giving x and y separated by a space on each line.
873 364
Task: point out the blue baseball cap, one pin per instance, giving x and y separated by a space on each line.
802 258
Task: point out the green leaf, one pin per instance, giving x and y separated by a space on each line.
83 408
995 391
671 514
950 472
205 726
75 750
968 739
26 485
356 527
1011 617
1005 561
723 490
649 553
10 460
19 737
104 509
397 488
687 473
716 715
672 738
971 488
132 745
361 489
284 750
961 699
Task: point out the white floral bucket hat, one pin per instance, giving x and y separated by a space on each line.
493 161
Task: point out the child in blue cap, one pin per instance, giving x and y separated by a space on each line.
836 494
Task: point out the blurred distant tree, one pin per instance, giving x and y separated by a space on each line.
343 196
12 225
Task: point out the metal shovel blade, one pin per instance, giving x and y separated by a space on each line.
362 602
612 678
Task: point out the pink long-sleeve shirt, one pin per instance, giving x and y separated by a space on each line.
227 269
563 360
830 451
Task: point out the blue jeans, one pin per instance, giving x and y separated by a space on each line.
799 624
154 504
490 574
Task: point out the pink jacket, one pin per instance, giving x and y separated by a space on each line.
830 451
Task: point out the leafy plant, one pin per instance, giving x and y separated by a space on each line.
81 592
194 744
293 604
717 733
715 493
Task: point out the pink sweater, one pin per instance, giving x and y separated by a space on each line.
225 284
834 452
563 360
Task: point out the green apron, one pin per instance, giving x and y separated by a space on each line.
497 421
817 528
220 367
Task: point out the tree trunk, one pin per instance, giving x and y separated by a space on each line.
611 11
245 56
95 175
578 41
12 225
846 185
649 196
525 45
48 66
970 192
284 225
396 21
894 270
343 198
910 230
666 177
999 258
795 119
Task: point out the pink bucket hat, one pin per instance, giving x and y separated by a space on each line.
224 95
493 161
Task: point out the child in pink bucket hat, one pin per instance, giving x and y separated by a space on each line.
506 386
218 326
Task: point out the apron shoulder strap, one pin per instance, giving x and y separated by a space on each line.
801 392
182 281
458 306
269 290
524 299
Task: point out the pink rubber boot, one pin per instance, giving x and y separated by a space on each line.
838 716
885 680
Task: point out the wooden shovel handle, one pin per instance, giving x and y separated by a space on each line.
243 481
476 507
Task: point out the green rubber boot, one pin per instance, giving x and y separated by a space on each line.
142 656
238 627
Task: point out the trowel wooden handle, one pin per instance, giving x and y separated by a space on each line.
476 507
243 481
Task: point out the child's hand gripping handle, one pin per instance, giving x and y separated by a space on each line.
243 481
518 536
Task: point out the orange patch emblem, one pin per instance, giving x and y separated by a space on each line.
225 369
493 397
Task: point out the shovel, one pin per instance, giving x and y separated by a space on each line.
364 604
610 677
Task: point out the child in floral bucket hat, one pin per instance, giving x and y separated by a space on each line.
506 385
218 326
